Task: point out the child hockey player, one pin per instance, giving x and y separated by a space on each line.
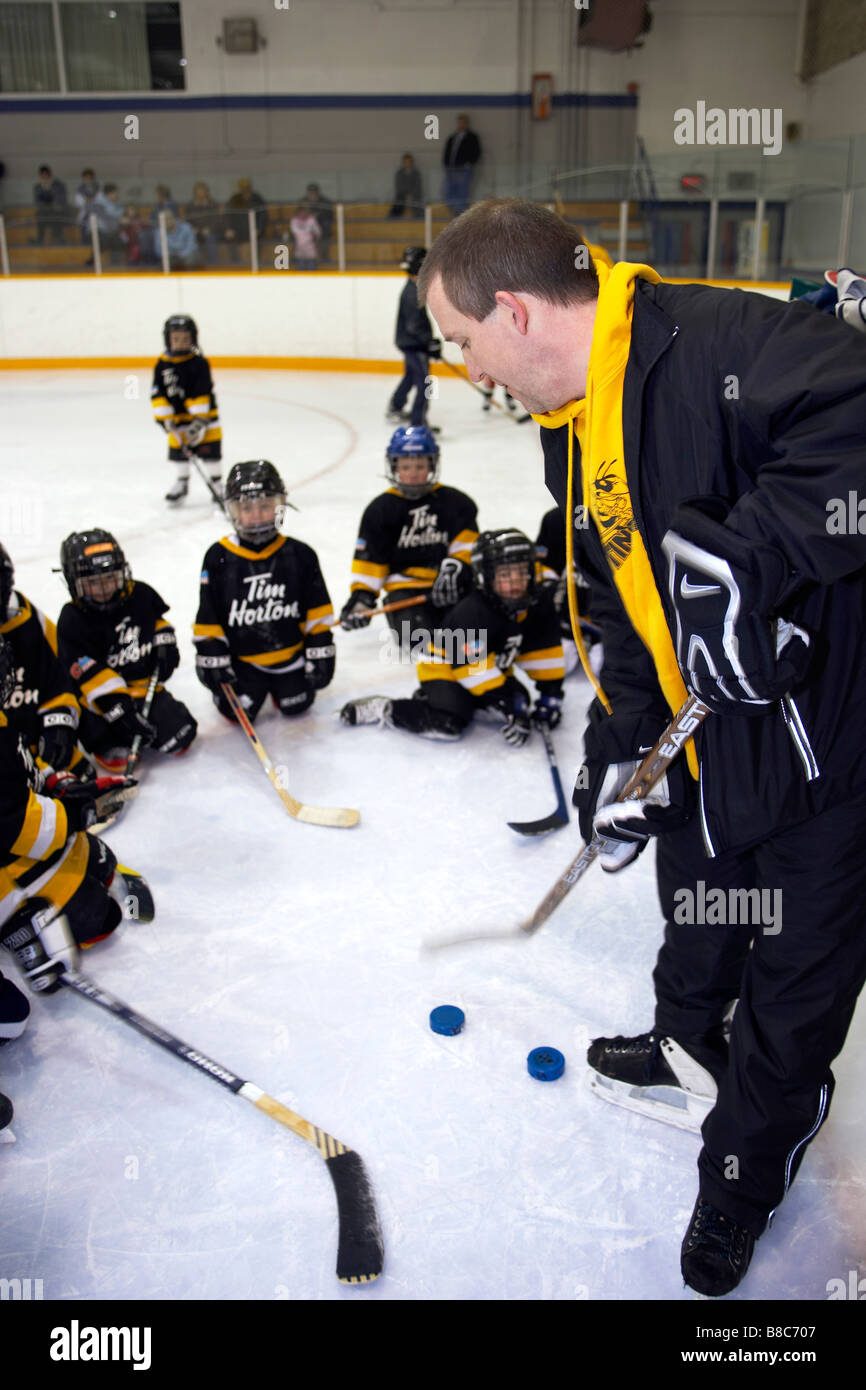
414 540
184 405
550 552
502 623
112 637
264 616
414 338
42 704
46 857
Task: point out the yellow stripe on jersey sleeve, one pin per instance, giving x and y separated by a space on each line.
318 619
204 632
105 682
44 830
480 676
546 663
162 407
462 544
198 405
66 701
366 575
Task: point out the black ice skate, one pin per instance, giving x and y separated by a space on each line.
656 1076
715 1252
6 1113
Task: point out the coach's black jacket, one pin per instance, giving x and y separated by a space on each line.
732 394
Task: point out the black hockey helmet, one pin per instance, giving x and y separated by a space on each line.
413 259
180 321
504 547
247 482
8 679
88 557
7 579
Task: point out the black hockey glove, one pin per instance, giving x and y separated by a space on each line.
40 939
548 710
319 666
449 583
166 653
57 740
735 653
215 671
614 748
85 803
356 612
126 720
517 726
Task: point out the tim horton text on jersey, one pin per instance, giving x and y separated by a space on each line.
268 598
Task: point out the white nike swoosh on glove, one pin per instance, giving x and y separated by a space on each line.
688 590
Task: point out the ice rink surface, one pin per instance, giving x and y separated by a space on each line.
290 953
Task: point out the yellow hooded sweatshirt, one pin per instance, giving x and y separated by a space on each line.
597 422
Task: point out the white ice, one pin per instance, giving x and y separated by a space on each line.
291 953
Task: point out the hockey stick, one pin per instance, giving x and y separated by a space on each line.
135 751
360 1250
558 818
390 607
653 768
339 817
515 419
196 462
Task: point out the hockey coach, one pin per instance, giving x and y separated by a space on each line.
702 443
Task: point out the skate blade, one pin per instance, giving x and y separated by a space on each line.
668 1104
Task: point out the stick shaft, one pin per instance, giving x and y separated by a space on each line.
653 768
391 607
147 702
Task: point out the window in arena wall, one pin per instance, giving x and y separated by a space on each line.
67 46
123 46
28 52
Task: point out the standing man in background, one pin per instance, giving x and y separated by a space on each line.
462 153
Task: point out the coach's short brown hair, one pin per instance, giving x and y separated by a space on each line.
508 244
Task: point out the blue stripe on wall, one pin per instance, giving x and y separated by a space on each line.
430 101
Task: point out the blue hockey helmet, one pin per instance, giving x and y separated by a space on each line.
413 442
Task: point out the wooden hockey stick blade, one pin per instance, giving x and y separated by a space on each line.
360 1252
337 817
390 608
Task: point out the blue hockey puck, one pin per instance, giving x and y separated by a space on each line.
545 1063
447 1019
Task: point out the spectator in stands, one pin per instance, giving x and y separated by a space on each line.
236 222
109 211
322 209
407 189
202 214
183 252
149 239
52 209
84 196
131 230
306 234
462 153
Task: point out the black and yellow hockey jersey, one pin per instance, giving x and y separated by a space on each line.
38 856
41 683
477 652
112 651
267 606
183 391
403 541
